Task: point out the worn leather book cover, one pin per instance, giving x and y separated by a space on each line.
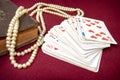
28 26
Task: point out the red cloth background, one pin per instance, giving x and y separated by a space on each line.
49 68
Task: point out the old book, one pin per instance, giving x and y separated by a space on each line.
28 31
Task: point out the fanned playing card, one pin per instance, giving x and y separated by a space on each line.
78 41
96 30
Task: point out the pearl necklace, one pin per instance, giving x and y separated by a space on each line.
37 9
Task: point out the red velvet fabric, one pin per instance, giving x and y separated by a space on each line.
49 68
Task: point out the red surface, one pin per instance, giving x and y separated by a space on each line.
49 68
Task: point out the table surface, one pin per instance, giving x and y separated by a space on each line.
49 68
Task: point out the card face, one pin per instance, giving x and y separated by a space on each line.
79 41
96 30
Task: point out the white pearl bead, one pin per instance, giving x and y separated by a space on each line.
28 63
9 34
13 42
12 46
29 50
15 17
16 25
15 65
15 53
13 20
15 31
18 54
38 44
11 58
22 53
24 11
13 38
10 26
11 50
19 66
8 38
24 65
7 45
35 53
11 54
20 13
30 60
36 49
35 46
13 62
8 41
25 51
21 7
12 23
32 57
14 34
32 47
9 30
39 41
40 37
16 28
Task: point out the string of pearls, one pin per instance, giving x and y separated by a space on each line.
37 9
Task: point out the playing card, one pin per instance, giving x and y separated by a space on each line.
87 43
96 30
70 29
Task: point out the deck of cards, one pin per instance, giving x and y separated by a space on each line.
78 41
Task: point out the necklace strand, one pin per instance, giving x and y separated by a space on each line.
37 9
